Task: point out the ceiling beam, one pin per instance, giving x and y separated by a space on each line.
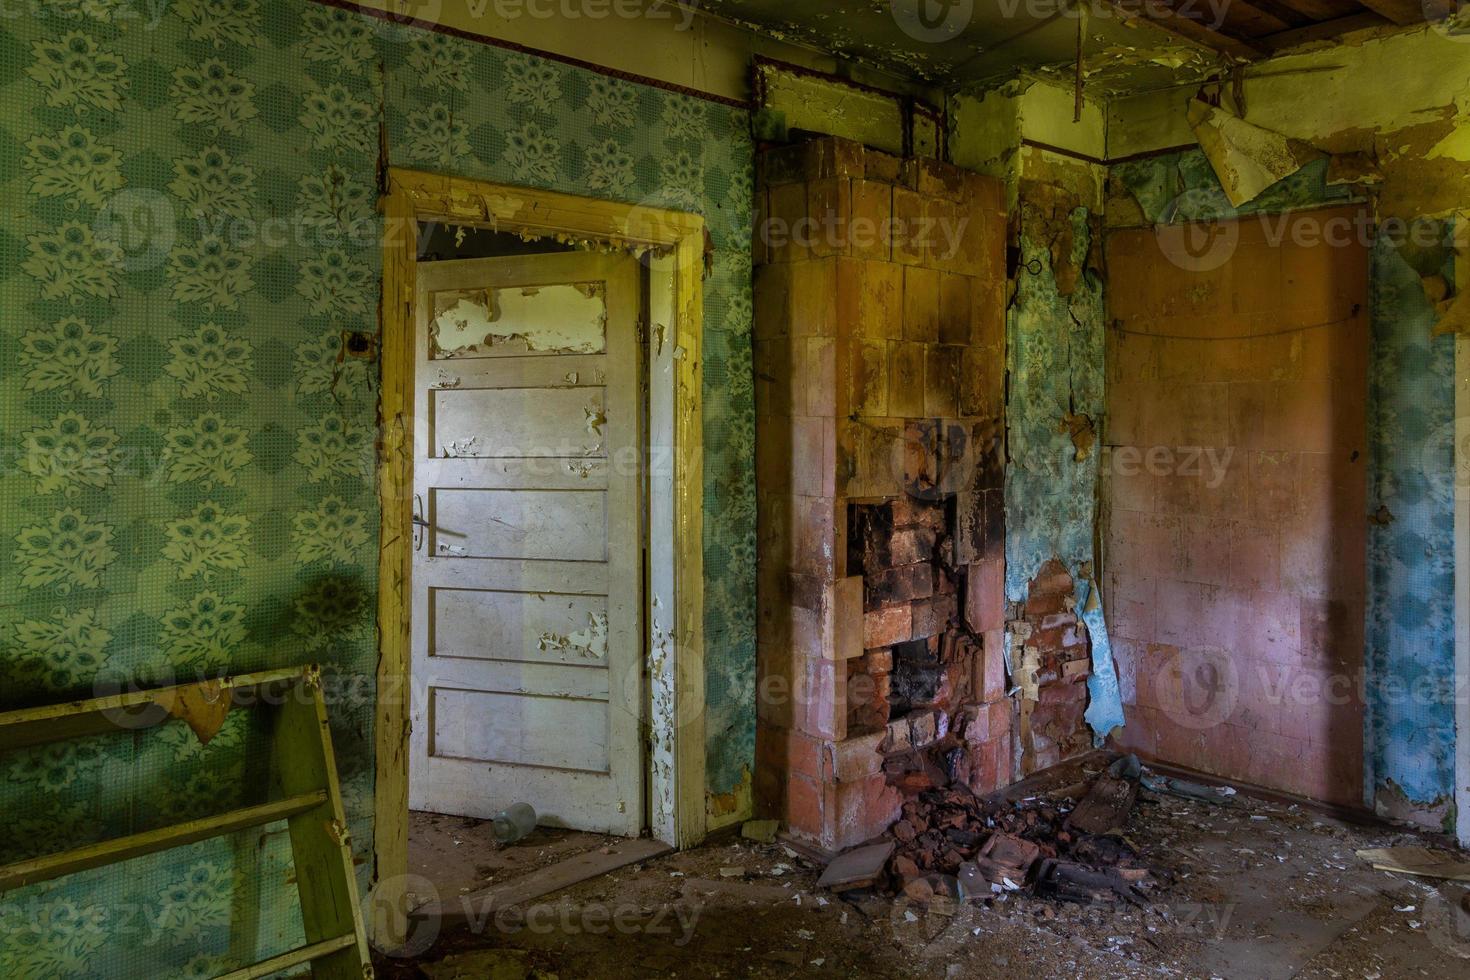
1317 10
1401 12
1324 31
1159 14
1252 19
1283 12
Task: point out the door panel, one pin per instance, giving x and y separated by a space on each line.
566 525
530 422
477 624
527 574
558 733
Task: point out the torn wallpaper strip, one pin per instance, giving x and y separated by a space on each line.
1105 701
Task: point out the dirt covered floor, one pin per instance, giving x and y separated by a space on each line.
1259 890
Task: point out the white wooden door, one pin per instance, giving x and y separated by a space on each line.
527 570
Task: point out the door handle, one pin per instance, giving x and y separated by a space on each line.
420 526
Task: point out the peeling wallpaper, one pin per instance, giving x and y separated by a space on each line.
1411 559
190 489
1183 187
1055 361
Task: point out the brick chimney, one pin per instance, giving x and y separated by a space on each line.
879 363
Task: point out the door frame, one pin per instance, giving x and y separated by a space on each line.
674 242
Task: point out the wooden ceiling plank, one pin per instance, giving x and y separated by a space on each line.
1324 31
1189 29
1319 10
1252 20
1401 12
1284 12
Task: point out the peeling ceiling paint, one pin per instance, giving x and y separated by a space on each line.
967 43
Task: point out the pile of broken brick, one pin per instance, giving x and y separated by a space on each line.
950 843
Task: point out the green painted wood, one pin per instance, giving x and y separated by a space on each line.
303 761
311 804
151 842
127 712
296 957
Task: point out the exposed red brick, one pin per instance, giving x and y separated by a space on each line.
804 809
886 626
858 757
933 616
910 545
985 596
993 670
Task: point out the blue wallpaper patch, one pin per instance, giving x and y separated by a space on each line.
1411 549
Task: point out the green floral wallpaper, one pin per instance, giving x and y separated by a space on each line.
190 227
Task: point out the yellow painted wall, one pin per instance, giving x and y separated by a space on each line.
988 131
666 42
1404 97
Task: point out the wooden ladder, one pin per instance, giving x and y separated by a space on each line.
305 778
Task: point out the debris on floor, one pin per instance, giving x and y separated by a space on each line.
1155 783
1189 889
486 964
857 868
1005 860
1423 861
950 840
1105 807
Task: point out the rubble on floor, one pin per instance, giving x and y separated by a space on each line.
1423 861
1067 844
1252 888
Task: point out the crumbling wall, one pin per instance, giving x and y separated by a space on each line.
1409 667
1055 410
1024 132
1182 186
1399 99
1055 398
